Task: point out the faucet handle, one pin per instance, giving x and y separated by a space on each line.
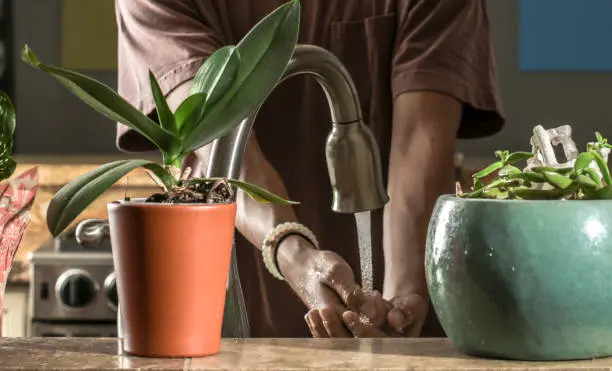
355 169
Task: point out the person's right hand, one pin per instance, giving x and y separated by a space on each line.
325 283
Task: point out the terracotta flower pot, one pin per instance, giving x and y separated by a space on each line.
525 280
171 266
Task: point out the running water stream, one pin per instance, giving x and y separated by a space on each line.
364 238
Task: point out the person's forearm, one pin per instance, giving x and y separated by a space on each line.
421 168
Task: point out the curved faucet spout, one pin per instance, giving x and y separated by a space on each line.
353 158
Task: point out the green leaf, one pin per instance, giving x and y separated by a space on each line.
215 79
75 196
529 176
603 167
583 161
104 100
508 170
538 194
7 130
265 53
164 114
189 110
488 170
487 189
518 156
585 181
600 139
593 175
259 194
562 170
604 193
557 180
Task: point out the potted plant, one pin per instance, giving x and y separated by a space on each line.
16 195
520 267
171 251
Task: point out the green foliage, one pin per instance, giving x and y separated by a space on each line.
7 130
580 182
229 86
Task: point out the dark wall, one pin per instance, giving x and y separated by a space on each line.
583 100
50 120
6 47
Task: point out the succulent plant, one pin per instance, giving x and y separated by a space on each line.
230 84
589 177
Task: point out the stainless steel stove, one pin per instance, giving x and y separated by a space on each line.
72 288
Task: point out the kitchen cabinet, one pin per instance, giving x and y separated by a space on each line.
15 310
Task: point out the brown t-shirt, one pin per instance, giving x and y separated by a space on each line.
389 46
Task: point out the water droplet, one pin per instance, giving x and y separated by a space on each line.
490 254
513 269
465 252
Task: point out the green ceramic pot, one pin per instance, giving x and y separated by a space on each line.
525 280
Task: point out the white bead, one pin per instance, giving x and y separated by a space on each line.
270 243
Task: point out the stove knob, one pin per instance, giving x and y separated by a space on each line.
76 289
110 287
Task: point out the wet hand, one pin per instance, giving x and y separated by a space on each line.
369 307
323 280
405 318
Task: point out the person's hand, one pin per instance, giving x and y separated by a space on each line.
325 283
405 318
369 306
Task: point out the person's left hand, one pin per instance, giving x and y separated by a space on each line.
404 319
327 321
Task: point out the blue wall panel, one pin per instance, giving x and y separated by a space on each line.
565 35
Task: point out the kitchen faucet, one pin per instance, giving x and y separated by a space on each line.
353 163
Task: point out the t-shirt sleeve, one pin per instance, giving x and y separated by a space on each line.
445 46
171 38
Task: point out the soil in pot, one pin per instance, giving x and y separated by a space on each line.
172 257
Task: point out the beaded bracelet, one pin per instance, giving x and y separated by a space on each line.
273 239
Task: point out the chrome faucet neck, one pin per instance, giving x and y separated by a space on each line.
353 158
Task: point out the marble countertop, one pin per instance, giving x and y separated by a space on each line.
268 354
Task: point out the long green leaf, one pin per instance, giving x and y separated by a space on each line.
104 100
592 173
488 170
586 181
7 130
75 196
508 170
164 114
583 161
215 79
538 194
265 53
557 180
259 194
604 193
529 176
603 167
518 156
560 170
189 110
